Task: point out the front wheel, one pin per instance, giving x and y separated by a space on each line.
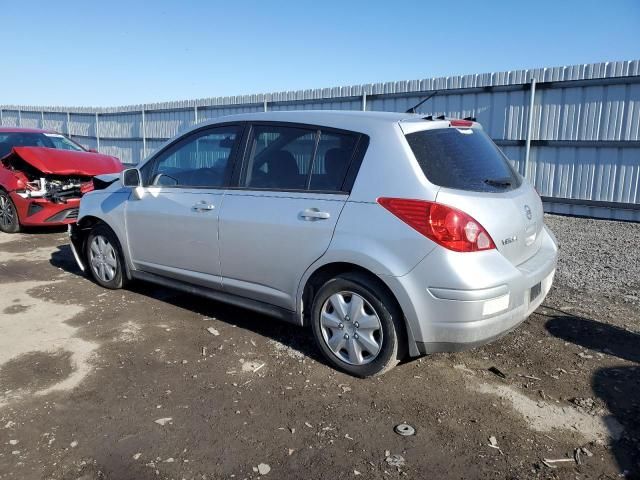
357 325
104 257
9 222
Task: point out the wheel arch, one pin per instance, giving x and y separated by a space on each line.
81 232
315 278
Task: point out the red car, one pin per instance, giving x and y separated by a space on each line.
42 177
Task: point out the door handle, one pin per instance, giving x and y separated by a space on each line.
203 206
314 214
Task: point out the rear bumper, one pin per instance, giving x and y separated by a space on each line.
43 212
478 297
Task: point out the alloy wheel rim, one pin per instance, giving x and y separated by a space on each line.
351 328
102 257
6 211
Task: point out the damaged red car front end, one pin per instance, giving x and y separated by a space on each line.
45 184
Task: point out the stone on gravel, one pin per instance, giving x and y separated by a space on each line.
395 460
213 331
163 421
263 469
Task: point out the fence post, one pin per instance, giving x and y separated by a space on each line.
364 102
97 133
42 119
19 118
527 147
265 105
1 118
68 124
144 135
195 114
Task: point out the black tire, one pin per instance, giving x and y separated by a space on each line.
109 259
9 222
391 335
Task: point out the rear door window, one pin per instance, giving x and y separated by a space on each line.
279 157
297 158
463 159
332 160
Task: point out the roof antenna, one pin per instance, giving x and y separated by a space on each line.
413 109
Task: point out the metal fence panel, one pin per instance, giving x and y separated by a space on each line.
56 121
128 151
82 125
584 133
123 125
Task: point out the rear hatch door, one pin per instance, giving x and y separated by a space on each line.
477 178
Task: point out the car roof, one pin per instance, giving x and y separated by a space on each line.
23 130
354 119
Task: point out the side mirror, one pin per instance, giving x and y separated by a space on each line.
131 178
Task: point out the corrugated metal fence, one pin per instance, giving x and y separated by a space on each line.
583 132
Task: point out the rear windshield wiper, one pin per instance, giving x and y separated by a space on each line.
497 182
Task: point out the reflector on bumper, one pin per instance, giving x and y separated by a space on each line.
491 307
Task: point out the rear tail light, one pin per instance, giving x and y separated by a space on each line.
447 226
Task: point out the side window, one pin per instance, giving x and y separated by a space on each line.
332 160
203 160
279 157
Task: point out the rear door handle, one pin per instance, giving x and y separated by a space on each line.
203 206
314 214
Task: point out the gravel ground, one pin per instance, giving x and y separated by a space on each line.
149 383
598 256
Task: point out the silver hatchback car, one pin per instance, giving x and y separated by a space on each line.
388 234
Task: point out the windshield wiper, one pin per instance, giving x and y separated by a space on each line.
496 182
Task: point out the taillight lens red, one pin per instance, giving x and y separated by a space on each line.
445 225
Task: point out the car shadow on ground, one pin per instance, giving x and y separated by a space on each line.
62 258
617 387
298 338
43 230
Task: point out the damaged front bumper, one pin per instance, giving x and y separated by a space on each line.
76 242
45 212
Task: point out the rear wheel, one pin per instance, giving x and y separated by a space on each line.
357 325
9 222
104 257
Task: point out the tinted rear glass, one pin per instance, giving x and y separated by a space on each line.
464 159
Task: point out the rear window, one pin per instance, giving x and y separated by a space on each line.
464 159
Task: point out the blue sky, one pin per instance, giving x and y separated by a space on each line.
82 53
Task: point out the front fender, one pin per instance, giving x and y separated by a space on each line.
107 207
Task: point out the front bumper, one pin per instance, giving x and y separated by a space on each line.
479 296
43 212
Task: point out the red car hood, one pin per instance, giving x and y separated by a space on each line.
67 162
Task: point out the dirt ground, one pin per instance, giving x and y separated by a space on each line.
148 383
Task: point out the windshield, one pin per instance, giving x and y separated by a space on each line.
464 159
8 140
